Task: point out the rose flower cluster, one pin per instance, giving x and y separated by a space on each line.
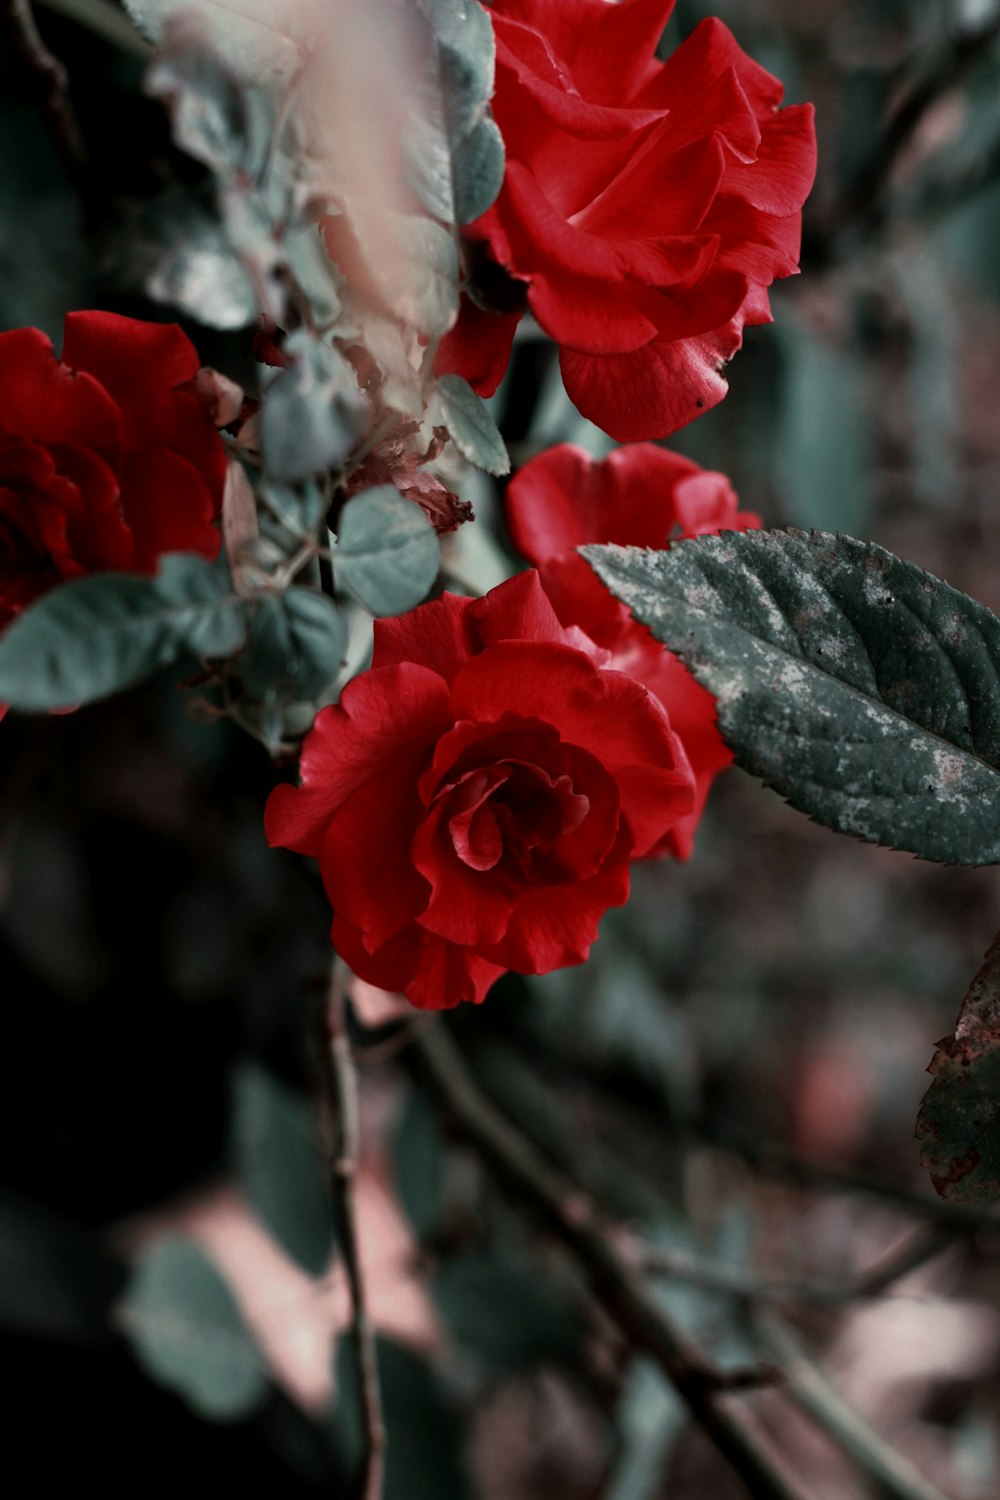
646 208
108 457
476 798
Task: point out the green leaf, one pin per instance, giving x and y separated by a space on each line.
959 1116
463 32
218 119
478 167
312 413
427 164
387 552
313 270
178 253
282 1168
295 646
187 1332
473 430
858 686
454 153
98 635
506 1316
256 48
423 1454
419 1161
298 509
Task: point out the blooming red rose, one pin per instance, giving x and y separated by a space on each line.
107 457
640 496
475 798
646 206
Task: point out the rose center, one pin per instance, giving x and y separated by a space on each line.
512 811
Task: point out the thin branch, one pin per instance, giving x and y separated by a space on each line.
705 1389
863 208
340 1082
768 1157
877 1459
773 1160
916 1249
47 76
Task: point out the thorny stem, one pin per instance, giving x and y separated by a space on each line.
341 1089
707 1391
48 76
915 1250
890 1470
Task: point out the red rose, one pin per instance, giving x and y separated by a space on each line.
107 457
640 496
646 206
475 798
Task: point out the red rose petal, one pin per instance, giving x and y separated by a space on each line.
168 506
146 367
477 347
605 712
47 401
562 498
439 635
553 927
367 868
656 389
780 176
610 53
385 718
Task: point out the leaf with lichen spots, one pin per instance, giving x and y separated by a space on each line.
860 687
959 1117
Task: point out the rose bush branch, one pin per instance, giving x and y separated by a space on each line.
341 1096
863 208
49 79
882 1464
916 1249
771 1159
707 1391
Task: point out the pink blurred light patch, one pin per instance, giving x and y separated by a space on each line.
295 1319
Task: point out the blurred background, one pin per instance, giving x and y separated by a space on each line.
734 1075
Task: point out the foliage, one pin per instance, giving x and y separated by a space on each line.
187 1330
856 685
961 1109
312 218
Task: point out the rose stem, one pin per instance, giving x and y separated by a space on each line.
707 1391
341 1091
50 81
874 1283
890 1470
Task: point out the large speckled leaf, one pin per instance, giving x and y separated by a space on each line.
958 1125
861 688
